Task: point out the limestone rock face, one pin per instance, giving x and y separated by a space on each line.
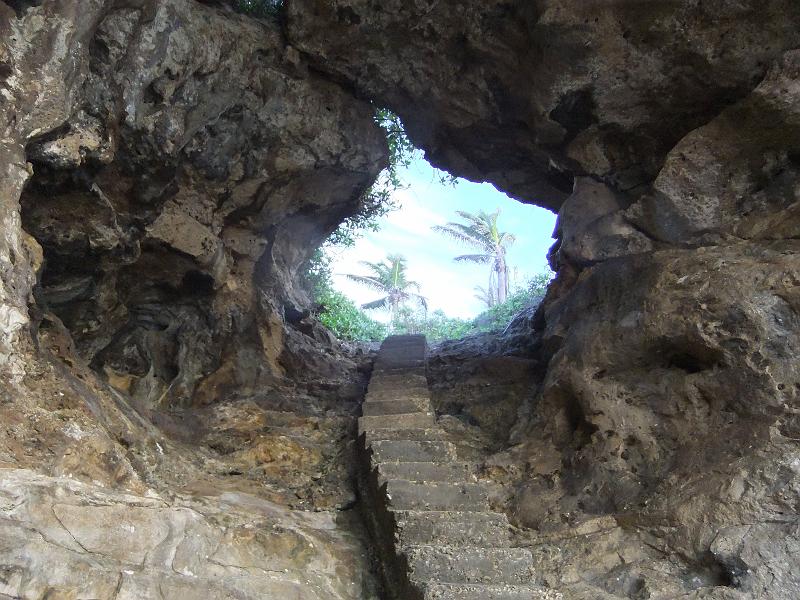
167 166
652 455
191 152
100 543
528 94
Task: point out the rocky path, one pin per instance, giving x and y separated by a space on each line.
438 537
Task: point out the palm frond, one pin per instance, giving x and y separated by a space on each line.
421 300
382 303
368 281
481 259
461 233
507 239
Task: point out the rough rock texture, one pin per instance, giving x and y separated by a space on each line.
83 541
529 94
656 450
167 408
166 167
169 200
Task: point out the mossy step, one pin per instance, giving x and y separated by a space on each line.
416 347
469 591
452 528
448 564
397 407
405 338
438 496
452 472
411 451
415 420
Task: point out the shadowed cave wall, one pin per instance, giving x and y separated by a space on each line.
168 166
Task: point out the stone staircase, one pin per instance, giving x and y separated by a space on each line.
436 533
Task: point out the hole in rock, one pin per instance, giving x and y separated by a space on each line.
449 258
20 7
689 356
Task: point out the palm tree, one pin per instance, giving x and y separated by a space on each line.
480 231
485 296
389 278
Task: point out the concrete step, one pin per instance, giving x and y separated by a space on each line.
444 564
405 371
453 472
437 496
403 350
411 451
398 381
397 407
403 347
407 338
467 591
423 528
383 364
420 435
382 394
416 420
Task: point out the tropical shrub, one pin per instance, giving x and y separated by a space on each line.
437 326
346 321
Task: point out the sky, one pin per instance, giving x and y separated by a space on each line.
446 284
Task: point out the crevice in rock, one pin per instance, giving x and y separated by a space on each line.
20 7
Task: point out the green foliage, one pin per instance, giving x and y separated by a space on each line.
318 275
499 316
377 201
264 9
347 321
438 326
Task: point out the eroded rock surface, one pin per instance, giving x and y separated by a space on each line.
652 451
167 166
63 538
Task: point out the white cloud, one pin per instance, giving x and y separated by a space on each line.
447 285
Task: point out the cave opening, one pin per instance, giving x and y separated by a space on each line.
449 238
169 389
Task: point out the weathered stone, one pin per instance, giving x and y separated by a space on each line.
453 528
443 496
167 167
445 591
428 471
407 421
65 539
529 94
411 451
470 565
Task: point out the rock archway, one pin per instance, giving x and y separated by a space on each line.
167 166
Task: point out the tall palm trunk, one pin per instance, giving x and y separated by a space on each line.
502 280
392 313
